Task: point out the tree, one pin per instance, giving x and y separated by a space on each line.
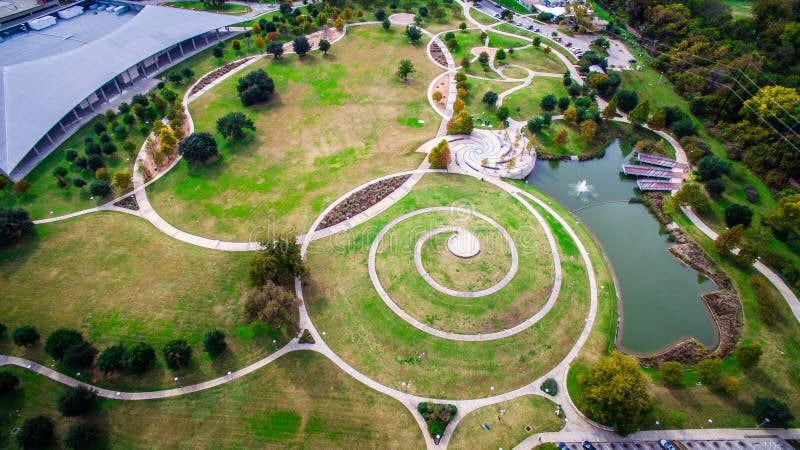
736 214
58 341
338 23
439 155
81 436
462 26
588 130
177 354
413 34
217 52
112 359
386 24
748 355
260 44
535 125
571 115
405 69
627 100
715 188
692 194
79 354
324 46
727 240
234 124
35 433
236 45
436 96
14 224
684 127
76 401
563 103
776 411
301 46
95 162
423 11
187 73
561 138
460 124
489 98
458 105
279 261
709 370
25 336
610 111
8 383
502 113
272 304
122 180
198 148
100 188
711 167
380 15
730 386
78 182
640 113
483 58
615 393
275 48
500 55
140 358
255 87
548 102
21 186
672 373
214 343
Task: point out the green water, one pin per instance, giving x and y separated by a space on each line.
660 296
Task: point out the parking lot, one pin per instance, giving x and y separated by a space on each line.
619 56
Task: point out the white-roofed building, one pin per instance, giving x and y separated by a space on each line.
40 99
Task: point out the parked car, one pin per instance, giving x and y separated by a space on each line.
632 61
588 445
563 446
530 27
519 24
666 444
538 30
568 44
497 16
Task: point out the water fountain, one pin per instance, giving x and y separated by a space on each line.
583 190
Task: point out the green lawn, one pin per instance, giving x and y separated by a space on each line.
521 298
497 40
45 196
482 18
524 103
509 430
537 60
301 400
740 8
530 34
331 116
514 72
117 279
467 40
364 332
514 6
227 8
478 109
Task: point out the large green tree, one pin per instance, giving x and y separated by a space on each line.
198 147
615 393
14 223
234 125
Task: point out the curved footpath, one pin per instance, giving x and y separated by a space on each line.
577 426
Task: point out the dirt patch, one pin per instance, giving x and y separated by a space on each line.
329 34
215 74
362 200
443 87
402 18
438 55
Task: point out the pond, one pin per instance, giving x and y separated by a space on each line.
660 296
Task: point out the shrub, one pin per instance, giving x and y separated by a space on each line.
730 386
100 188
768 301
436 416
550 387
140 358
776 411
709 370
14 224
548 102
489 98
711 167
301 46
627 100
715 188
102 174
70 155
8 382
76 401
692 194
36 433
177 354
112 359
737 214
80 354
95 162
78 182
272 304
25 336
198 147
214 343
672 373
82 435
234 124
58 341
751 194
21 186
255 87
684 127
748 355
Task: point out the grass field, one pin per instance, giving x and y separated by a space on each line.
739 8
514 6
521 298
514 72
508 28
524 103
480 110
99 274
497 40
467 40
361 328
535 59
301 400
335 116
482 18
536 412
45 196
226 8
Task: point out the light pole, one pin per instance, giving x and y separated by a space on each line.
766 420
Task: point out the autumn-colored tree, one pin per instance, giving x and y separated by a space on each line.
460 123
462 93
339 23
167 140
561 138
439 155
260 44
122 180
236 45
610 111
588 130
571 115
658 120
437 96
458 105
727 240
347 13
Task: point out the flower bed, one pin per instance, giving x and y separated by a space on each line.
362 200
213 75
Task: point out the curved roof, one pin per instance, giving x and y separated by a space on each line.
35 95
